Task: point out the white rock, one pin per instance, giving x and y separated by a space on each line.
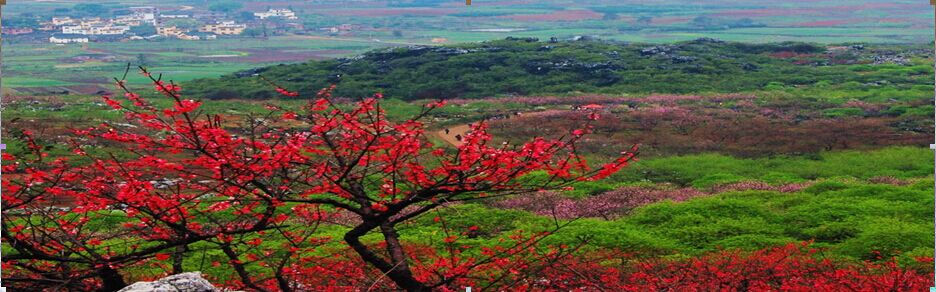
185 282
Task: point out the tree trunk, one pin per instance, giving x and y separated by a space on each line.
111 280
177 258
395 250
398 271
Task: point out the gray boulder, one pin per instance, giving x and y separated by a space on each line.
185 282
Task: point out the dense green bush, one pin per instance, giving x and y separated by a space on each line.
850 219
887 237
707 169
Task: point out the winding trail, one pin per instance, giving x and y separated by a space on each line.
464 128
453 132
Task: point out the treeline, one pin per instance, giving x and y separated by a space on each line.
524 66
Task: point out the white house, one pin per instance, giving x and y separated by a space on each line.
59 21
96 29
146 14
134 20
174 16
68 38
75 29
284 13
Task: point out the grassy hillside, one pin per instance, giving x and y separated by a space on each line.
531 67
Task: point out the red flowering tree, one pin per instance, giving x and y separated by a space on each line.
175 181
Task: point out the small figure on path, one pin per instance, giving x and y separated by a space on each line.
446 131
458 137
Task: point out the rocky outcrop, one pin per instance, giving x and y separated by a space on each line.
185 282
657 50
891 59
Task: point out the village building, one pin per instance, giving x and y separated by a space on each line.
169 31
175 32
134 20
75 29
174 16
60 21
129 21
144 14
108 29
95 29
93 21
224 28
68 38
97 26
342 28
280 13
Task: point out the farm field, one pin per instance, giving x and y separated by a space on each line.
27 66
428 22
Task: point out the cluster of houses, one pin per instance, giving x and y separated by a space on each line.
281 13
204 32
66 30
210 25
72 30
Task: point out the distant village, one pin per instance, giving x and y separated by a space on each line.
148 23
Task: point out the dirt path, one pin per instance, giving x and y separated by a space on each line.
453 132
463 129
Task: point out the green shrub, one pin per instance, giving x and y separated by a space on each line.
831 232
825 186
843 112
886 237
613 235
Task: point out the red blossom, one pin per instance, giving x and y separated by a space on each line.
183 180
286 93
161 257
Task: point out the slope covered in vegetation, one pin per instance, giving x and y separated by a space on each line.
528 67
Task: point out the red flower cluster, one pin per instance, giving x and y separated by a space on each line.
256 194
794 267
520 267
287 93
